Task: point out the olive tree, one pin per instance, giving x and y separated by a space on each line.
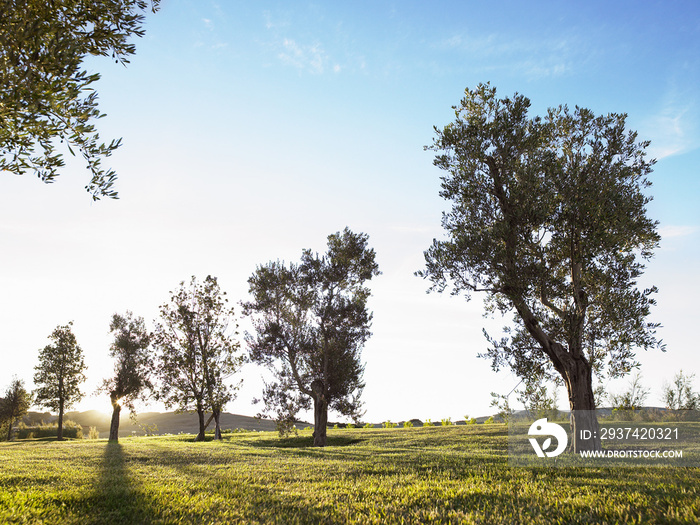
46 95
132 366
15 404
197 351
59 373
549 220
311 322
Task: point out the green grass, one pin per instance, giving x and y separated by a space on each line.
418 475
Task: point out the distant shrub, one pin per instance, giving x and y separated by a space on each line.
407 424
446 422
489 421
389 424
367 425
470 421
93 433
71 429
427 423
336 427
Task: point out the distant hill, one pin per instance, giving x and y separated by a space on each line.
166 422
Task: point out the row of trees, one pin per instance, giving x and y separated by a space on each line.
548 215
190 351
311 322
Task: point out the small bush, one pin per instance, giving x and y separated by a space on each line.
367 425
470 421
93 433
446 422
350 425
389 424
427 423
407 424
71 429
489 421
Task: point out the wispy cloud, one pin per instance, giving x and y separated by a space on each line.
311 58
274 21
533 59
667 232
673 129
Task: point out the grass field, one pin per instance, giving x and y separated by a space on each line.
419 475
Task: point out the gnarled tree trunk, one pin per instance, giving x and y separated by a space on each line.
584 423
114 425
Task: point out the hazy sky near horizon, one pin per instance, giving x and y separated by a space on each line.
253 130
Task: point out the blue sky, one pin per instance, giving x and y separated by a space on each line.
253 130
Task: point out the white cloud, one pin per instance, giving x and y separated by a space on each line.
311 58
533 58
673 128
677 231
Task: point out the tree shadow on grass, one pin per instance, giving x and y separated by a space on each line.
301 442
116 499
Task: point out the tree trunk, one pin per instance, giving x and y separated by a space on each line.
584 423
202 427
216 414
9 430
114 426
59 432
320 420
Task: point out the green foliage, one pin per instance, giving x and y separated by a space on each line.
148 429
132 367
197 352
548 219
502 403
469 421
489 421
46 95
631 400
133 362
389 424
368 425
93 433
537 400
14 405
427 423
680 395
311 322
60 371
438 475
71 429
446 422
407 424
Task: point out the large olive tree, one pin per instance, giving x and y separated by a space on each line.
311 322
549 220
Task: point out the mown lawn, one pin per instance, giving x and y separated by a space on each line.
419 475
